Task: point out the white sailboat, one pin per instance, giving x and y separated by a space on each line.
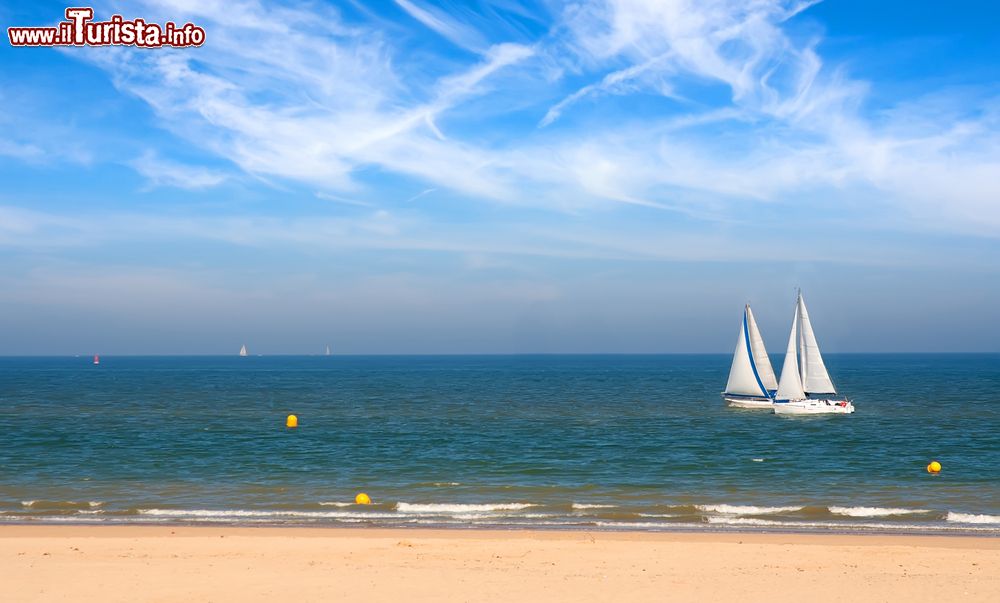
327 350
243 350
751 379
805 387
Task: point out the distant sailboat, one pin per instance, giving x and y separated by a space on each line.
243 351
751 378
97 359
327 350
804 373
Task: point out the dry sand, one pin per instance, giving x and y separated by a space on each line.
194 564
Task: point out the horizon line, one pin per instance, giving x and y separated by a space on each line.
459 354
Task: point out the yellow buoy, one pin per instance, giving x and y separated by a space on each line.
362 499
934 467
292 421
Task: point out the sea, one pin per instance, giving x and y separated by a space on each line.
583 442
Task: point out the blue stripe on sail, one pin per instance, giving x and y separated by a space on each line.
747 396
753 365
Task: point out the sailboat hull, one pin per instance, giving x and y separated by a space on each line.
813 407
747 402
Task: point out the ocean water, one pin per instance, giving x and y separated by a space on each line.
586 442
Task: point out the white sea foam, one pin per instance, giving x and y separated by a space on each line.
972 518
633 525
451 509
337 504
874 511
59 504
439 484
957 522
55 518
493 517
488 520
466 519
745 509
746 521
581 506
757 460
245 513
834 525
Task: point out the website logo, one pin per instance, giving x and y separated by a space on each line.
80 29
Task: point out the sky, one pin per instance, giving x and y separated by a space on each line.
504 176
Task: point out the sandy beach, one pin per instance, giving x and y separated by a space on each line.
162 563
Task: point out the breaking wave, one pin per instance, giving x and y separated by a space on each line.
630 515
972 518
448 509
58 505
874 511
746 509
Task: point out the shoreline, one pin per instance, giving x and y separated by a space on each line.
991 532
14 530
256 563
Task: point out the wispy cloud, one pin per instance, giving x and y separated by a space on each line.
345 200
447 27
20 150
279 96
615 82
164 172
285 93
373 229
29 135
421 194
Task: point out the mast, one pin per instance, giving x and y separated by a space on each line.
790 385
803 365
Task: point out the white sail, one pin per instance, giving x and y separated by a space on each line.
743 378
759 353
815 378
243 351
790 385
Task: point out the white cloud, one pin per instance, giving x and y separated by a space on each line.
285 93
280 98
615 82
163 172
29 135
797 126
19 150
392 232
440 22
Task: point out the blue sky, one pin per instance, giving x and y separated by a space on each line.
504 176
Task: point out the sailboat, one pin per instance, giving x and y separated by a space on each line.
97 359
243 350
751 378
805 387
327 350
